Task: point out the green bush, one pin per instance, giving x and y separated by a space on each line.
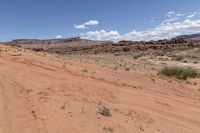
179 58
105 111
179 73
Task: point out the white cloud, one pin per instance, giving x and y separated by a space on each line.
171 14
171 20
101 35
190 16
175 24
86 25
153 19
166 31
91 23
59 36
180 14
163 31
82 26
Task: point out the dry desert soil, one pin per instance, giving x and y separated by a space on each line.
47 93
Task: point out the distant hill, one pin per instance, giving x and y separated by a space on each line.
53 43
190 37
72 45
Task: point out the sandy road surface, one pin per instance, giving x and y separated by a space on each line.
42 93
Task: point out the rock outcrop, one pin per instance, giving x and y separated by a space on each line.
88 46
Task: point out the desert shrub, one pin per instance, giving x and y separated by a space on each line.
127 69
105 111
179 58
179 73
37 49
179 47
137 56
195 62
108 129
160 54
85 70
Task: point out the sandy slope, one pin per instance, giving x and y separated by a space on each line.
41 93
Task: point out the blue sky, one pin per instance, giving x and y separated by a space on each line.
98 19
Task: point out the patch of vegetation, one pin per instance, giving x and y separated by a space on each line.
105 111
179 58
159 54
85 70
108 129
195 62
179 73
162 59
179 47
137 56
63 107
127 69
37 49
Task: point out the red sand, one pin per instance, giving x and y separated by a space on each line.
41 93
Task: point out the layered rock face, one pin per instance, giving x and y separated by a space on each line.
190 37
53 43
128 46
89 46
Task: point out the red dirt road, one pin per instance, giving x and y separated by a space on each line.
42 93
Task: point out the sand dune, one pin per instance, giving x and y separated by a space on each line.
43 93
